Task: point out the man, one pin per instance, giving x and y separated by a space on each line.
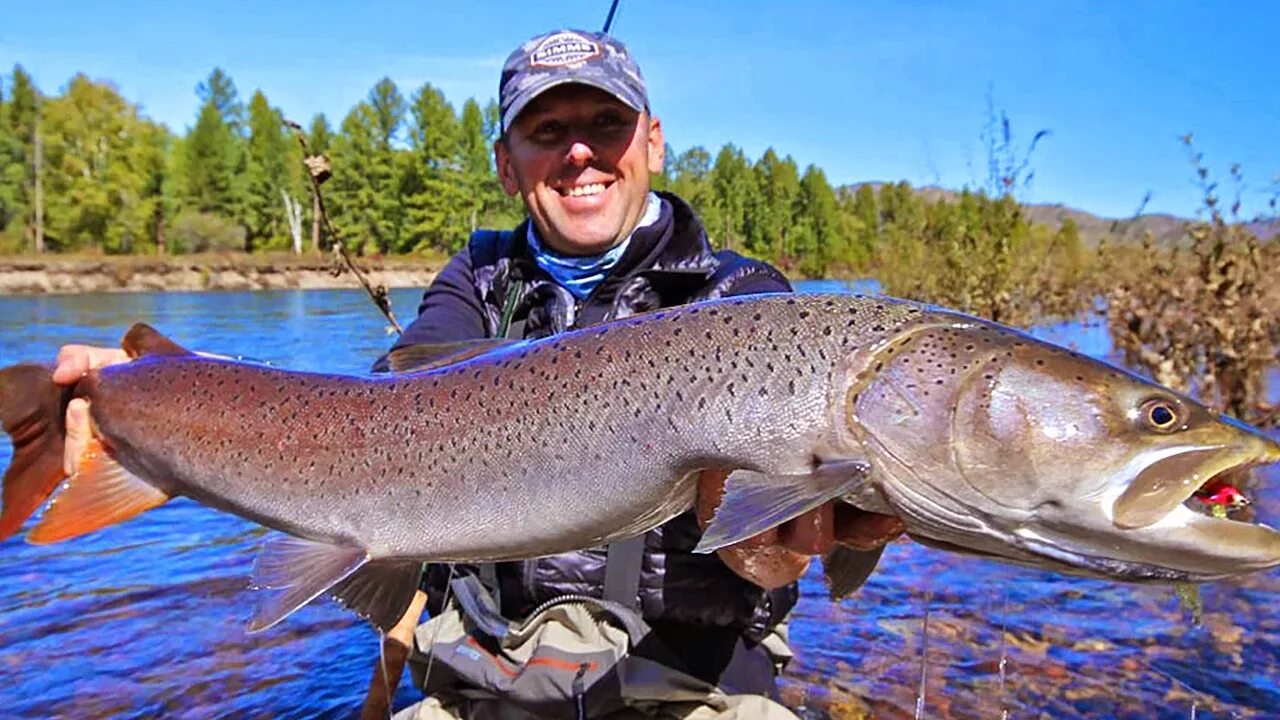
578 145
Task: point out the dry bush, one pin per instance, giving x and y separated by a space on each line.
1200 317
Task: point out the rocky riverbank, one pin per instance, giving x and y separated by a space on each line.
65 275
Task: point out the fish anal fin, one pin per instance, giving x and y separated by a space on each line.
290 572
381 591
32 409
846 569
428 356
755 501
101 493
142 339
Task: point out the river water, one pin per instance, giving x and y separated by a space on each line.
146 619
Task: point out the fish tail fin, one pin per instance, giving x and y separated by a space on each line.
32 412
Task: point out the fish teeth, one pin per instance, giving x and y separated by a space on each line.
583 190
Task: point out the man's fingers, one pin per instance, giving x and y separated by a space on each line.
809 534
78 432
76 360
864 530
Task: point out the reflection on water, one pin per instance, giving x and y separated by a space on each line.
147 619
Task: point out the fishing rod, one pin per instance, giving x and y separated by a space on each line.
608 21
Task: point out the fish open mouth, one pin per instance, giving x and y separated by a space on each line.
1209 480
1226 495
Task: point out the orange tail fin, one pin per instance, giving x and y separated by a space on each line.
32 411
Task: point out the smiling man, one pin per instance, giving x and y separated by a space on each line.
644 627
643 623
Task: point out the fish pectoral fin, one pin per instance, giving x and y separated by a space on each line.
99 494
290 572
142 339
846 569
381 591
428 356
755 501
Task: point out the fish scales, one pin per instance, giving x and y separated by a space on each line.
977 437
543 447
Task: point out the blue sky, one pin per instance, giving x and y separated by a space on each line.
867 91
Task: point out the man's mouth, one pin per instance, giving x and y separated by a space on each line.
583 190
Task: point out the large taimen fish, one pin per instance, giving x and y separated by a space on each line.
980 438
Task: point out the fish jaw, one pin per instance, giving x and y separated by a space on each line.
1082 539
1144 531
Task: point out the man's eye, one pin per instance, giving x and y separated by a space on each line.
609 120
548 128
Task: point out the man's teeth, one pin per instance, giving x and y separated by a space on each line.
582 190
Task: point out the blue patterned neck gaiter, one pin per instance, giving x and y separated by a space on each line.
581 274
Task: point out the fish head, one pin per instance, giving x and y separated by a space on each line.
1038 455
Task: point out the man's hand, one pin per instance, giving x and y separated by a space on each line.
73 362
396 647
780 556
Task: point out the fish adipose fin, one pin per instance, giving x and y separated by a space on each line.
142 339
381 591
755 501
846 569
32 411
101 493
428 356
291 572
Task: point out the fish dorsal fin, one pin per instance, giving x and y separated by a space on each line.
142 339
381 591
428 356
755 501
99 494
846 569
290 572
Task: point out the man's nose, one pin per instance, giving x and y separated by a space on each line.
580 153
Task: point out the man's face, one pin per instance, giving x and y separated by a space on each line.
580 160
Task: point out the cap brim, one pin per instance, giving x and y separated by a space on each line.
527 96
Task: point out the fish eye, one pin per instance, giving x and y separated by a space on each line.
1161 415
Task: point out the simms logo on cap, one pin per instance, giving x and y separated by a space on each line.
563 49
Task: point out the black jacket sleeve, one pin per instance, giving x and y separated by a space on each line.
451 310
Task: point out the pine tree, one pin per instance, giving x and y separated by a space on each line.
438 208
218 90
17 179
863 209
733 186
213 161
769 226
478 180
10 156
271 167
818 219
367 180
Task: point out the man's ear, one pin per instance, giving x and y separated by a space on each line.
657 146
506 174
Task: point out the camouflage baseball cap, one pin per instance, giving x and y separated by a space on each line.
563 57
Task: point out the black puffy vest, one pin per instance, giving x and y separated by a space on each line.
669 263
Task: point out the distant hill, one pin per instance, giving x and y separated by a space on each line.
1167 229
